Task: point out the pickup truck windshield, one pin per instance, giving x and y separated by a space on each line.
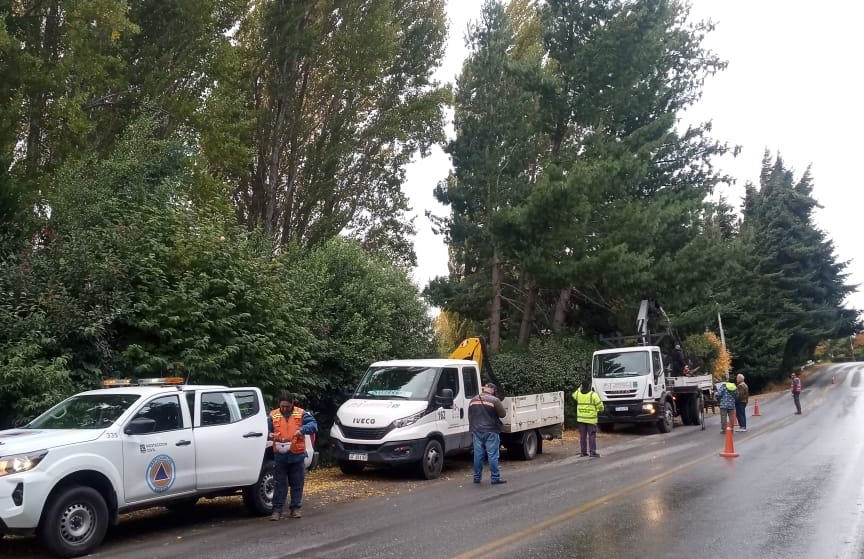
617 365
91 411
399 383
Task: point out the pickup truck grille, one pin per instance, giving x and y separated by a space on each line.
620 394
364 433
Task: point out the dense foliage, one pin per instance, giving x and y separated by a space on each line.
575 194
214 189
128 278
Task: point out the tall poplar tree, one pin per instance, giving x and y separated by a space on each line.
335 98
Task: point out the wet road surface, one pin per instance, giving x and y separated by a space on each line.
795 490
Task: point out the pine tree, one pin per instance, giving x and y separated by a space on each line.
493 153
789 285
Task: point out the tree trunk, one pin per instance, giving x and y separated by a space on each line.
495 311
561 310
528 314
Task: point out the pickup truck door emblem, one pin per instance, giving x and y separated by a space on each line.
161 473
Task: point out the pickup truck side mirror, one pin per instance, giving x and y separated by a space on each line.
140 426
445 398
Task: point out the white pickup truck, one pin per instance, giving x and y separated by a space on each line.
415 412
70 472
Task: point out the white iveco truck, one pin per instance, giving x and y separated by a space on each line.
414 412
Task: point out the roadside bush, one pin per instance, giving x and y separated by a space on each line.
548 364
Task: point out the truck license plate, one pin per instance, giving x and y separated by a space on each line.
621 408
358 456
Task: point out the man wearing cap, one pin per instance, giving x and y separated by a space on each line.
484 421
588 406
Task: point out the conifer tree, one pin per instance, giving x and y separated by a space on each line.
788 287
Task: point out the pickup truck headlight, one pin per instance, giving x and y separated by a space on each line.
410 420
17 463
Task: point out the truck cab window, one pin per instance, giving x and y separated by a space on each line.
449 379
469 381
216 409
165 411
656 364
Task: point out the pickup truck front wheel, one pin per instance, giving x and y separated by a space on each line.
433 460
74 522
258 498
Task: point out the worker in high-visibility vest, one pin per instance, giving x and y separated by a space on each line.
588 406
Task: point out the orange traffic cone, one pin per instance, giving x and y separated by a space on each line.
756 411
729 451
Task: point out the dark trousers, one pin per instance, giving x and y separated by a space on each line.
488 446
289 474
587 438
727 418
796 397
741 414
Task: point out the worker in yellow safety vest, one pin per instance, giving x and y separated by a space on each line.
588 405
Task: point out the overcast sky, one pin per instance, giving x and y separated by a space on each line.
793 86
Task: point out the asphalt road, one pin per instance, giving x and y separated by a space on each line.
795 490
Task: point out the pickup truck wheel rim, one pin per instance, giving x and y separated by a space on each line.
77 523
433 459
267 488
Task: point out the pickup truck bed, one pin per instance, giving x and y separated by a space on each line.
533 411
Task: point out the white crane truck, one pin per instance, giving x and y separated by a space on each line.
414 412
637 386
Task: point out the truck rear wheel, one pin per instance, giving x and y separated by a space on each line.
258 498
433 460
689 413
526 449
700 407
686 413
74 522
694 407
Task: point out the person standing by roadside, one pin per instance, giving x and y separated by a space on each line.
288 425
588 405
726 393
484 421
796 393
741 403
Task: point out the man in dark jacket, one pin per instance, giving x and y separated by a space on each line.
741 403
679 361
484 421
